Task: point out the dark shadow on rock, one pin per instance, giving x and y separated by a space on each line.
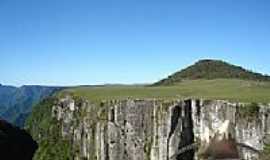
15 143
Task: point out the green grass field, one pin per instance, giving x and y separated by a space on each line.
222 89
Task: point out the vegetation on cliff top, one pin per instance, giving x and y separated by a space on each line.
208 79
213 69
226 89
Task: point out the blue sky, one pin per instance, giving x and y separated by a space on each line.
71 42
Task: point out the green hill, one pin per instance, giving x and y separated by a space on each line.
208 79
213 69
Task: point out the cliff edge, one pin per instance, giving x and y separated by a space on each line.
138 129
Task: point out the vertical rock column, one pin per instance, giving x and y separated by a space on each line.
246 127
149 130
130 129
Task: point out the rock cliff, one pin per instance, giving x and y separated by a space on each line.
144 129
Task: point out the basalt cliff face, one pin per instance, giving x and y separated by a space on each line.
143 129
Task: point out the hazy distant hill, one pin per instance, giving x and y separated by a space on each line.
6 99
213 69
16 103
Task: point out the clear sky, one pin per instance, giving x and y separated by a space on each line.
71 42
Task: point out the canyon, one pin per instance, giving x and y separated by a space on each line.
149 129
209 110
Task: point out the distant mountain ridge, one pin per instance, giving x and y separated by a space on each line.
212 69
16 102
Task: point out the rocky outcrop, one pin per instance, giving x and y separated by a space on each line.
154 129
249 123
128 129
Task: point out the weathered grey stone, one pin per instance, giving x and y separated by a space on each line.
153 129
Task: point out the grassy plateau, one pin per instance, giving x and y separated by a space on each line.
223 89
